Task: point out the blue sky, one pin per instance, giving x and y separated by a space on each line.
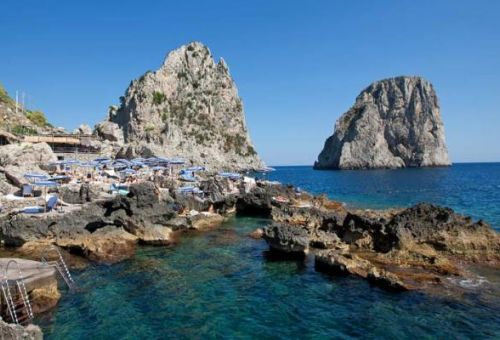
298 64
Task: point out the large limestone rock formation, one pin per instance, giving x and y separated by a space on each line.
394 123
188 108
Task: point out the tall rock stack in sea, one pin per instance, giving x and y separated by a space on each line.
188 108
394 123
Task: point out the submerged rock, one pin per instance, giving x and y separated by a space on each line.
394 123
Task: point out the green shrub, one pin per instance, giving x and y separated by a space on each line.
23 130
158 97
251 151
4 97
141 79
38 118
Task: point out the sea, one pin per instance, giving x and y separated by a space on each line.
223 284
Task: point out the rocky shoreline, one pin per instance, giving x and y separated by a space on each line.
399 248
417 248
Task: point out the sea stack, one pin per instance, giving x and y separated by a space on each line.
394 123
188 108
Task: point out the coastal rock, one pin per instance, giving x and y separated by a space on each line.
262 198
257 234
398 249
138 150
106 245
84 129
205 220
105 230
156 235
109 131
190 108
26 155
350 263
14 331
394 123
6 186
40 282
287 238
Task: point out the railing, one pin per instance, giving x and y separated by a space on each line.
60 265
21 297
9 302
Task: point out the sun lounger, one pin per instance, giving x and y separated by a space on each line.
119 189
50 205
27 190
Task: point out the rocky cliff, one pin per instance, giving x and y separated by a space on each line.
20 122
394 123
188 108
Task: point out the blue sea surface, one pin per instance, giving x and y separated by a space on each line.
224 284
469 188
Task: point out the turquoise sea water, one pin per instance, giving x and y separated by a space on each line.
223 284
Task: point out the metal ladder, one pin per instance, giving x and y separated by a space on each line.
60 265
22 293
4 283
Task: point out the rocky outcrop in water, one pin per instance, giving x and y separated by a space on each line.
107 229
188 108
394 123
399 249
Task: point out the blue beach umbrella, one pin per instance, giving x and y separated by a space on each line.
35 177
59 178
46 184
102 159
196 168
230 175
177 161
128 172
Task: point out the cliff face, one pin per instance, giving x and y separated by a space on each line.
188 108
394 123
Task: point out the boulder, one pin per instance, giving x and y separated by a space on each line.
84 129
26 155
257 234
14 331
394 123
106 245
109 131
205 220
287 238
137 150
156 235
